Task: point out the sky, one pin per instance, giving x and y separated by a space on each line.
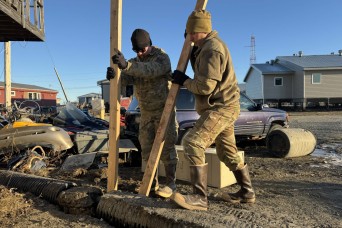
77 36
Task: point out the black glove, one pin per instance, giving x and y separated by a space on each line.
119 59
110 73
179 77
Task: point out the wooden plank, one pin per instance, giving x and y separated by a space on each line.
159 140
8 75
114 99
42 22
35 8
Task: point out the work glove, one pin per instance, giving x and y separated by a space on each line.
119 59
179 77
110 73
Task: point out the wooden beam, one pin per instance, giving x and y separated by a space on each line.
114 99
8 85
159 140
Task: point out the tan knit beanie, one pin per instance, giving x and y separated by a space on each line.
199 21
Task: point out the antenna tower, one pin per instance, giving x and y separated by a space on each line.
252 58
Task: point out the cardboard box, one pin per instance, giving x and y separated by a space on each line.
219 175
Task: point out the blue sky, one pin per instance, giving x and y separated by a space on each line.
77 36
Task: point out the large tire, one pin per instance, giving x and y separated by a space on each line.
272 128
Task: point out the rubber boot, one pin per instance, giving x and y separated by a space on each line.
198 200
154 186
246 193
170 185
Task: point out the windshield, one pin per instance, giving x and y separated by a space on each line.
72 116
133 106
246 103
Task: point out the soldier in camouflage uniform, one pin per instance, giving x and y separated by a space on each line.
217 101
150 74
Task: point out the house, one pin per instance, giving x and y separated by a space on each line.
22 92
297 81
104 84
87 98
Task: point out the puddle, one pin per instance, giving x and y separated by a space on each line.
329 153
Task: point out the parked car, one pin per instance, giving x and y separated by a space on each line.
254 123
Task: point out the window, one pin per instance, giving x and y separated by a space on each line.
278 81
12 93
316 78
185 100
34 96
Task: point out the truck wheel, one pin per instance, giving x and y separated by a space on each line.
182 135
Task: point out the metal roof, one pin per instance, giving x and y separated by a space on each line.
272 68
26 86
314 61
96 95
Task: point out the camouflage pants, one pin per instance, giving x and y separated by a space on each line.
214 126
148 127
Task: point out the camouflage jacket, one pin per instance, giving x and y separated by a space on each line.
150 77
214 84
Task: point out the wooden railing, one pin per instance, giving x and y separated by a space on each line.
30 11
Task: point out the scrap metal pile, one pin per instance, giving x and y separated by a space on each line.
31 139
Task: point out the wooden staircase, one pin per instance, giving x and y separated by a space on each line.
21 20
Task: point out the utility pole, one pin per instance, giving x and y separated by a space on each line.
8 86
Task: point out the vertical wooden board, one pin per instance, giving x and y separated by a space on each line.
8 85
114 99
159 140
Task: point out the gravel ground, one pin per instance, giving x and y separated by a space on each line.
295 192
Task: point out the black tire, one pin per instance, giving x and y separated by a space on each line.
272 128
182 135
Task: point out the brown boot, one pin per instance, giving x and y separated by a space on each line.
198 200
246 193
170 186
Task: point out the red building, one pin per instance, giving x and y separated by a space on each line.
22 92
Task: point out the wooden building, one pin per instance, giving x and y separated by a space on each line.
21 20
22 92
298 81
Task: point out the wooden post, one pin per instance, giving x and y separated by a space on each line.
8 86
114 99
159 140
60 82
